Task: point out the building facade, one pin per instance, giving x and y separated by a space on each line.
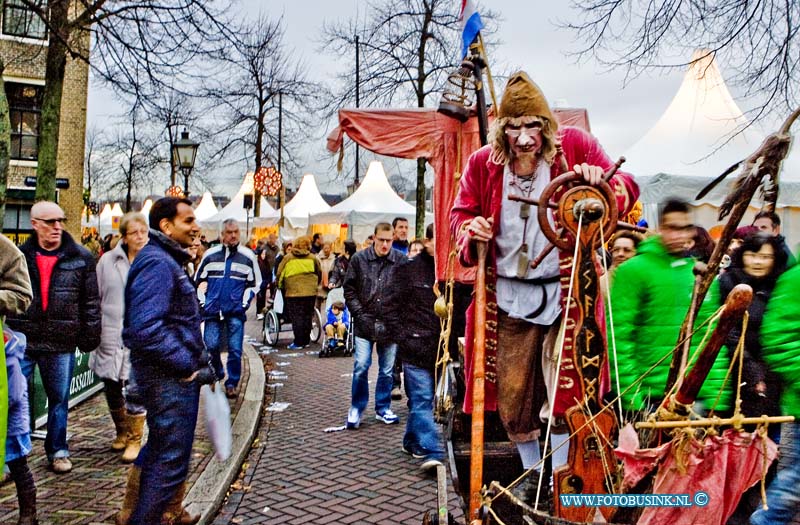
23 47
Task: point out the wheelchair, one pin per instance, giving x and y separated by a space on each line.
274 323
345 347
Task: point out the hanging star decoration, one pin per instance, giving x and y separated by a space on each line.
267 181
174 191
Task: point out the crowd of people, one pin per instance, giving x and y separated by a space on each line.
161 304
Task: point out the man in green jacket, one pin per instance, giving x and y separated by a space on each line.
780 339
650 295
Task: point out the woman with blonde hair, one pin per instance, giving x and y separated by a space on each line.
111 361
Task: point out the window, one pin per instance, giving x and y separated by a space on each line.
19 20
25 110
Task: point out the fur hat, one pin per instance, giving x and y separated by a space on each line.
523 98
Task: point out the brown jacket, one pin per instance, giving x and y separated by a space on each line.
15 283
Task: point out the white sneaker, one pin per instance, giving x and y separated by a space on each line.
388 417
353 419
260 317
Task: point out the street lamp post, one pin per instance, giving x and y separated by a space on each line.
184 152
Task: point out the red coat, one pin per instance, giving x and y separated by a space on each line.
480 193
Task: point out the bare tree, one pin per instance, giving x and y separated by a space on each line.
261 83
131 155
758 41
96 168
408 48
137 46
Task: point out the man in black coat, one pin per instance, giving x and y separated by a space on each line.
416 329
64 315
365 286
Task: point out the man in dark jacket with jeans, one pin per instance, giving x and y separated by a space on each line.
416 329
168 360
64 315
365 287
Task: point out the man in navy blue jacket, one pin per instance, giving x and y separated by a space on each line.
230 277
168 359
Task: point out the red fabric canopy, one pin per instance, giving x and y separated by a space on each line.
443 141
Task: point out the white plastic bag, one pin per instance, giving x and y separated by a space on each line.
218 420
277 304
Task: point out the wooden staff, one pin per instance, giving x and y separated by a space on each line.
478 381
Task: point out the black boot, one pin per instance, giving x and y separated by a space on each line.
525 491
26 490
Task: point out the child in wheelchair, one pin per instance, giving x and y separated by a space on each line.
336 326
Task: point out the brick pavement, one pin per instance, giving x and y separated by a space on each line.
296 473
92 493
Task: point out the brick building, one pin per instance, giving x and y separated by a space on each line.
23 46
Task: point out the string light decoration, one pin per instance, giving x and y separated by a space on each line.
268 181
175 191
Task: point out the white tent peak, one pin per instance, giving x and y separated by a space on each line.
697 133
374 201
206 207
116 210
307 199
235 208
146 207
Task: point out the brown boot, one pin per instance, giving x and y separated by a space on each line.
131 496
135 431
175 513
120 419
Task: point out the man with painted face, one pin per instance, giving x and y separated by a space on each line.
527 149
169 363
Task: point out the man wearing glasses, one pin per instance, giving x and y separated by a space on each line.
365 292
64 315
650 295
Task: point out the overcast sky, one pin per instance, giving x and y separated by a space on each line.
619 113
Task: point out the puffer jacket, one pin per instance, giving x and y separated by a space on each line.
111 359
15 283
72 318
365 288
780 338
650 295
299 274
412 321
233 278
162 314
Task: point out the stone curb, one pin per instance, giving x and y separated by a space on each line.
209 491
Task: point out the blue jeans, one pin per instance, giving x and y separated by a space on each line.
420 428
783 497
171 419
56 371
212 336
363 360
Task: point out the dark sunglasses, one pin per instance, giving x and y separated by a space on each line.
51 222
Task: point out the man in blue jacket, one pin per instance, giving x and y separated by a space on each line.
230 277
168 359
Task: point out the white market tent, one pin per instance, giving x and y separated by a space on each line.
693 141
109 219
374 201
206 208
146 207
307 201
235 210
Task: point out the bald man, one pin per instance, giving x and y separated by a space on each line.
64 315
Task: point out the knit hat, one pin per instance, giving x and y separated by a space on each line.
523 98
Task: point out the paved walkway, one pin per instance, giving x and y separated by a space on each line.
293 473
298 474
92 493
